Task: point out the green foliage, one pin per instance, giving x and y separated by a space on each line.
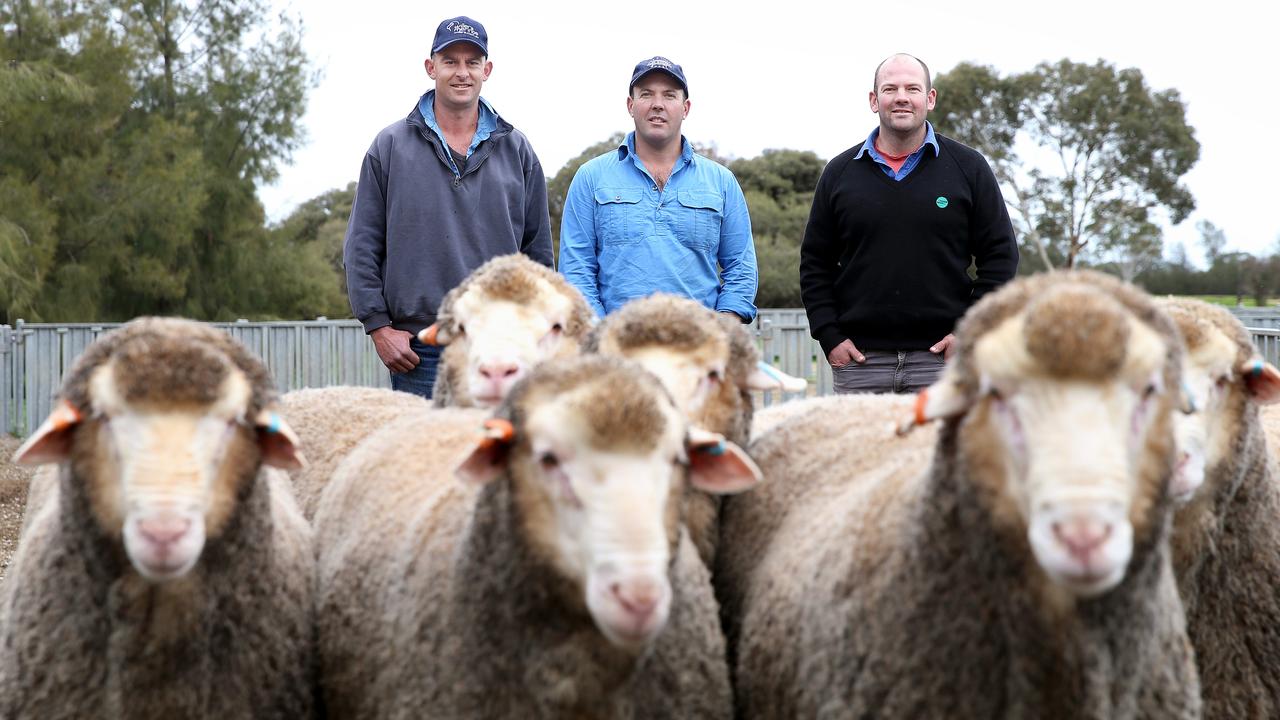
135 136
558 186
1106 142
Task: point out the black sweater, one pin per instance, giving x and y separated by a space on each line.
884 262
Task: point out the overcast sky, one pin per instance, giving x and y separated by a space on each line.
789 75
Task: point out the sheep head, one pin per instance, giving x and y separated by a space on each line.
165 421
708 361
507 316
596 454
1224 377
1062 396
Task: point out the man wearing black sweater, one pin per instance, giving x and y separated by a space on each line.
896 221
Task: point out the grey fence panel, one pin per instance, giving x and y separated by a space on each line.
35 357
8 372
1267 340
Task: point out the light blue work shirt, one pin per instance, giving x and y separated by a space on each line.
485 126
869 148
622 238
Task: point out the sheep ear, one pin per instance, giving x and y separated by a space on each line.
943 399
488 458
718 466
51 442
279 443
768 377
1263 381
436 333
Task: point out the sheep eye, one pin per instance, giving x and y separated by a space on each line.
557 328
713 375
1150 391
1222 381
462 329
548 461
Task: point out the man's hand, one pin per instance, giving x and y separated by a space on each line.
946 346
845 353
393 348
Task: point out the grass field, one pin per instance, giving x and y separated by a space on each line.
1230 300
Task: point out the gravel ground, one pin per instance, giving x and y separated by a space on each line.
13 499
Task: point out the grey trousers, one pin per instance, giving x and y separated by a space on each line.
888 371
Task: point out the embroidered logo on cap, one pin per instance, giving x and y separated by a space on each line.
659 63
458 28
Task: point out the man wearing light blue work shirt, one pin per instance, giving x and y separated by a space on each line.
653 216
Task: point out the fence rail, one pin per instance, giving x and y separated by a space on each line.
34 356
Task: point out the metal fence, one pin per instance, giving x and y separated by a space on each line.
34 356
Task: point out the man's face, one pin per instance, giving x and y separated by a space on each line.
459 70
900 96
658 104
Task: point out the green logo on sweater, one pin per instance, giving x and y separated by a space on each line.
941 201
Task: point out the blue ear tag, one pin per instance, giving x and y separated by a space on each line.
1257 368
274 425
714 450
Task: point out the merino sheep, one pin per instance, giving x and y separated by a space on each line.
709 363
507 316
1021 571
549 579
168 574
330 422
1226 538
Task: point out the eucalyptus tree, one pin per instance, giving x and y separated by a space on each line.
1086 154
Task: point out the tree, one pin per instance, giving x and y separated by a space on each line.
558 186
1103 140
779 186
135 135
1213 239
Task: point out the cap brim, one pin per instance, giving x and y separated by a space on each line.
635 79
444 45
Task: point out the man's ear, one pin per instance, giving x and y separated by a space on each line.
51 442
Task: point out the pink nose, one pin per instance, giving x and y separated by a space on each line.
499 371
164 530
1082 536
638 597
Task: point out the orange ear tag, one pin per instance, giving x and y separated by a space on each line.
497 431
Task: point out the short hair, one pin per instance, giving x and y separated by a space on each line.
875 80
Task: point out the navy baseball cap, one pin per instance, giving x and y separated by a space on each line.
460 29
657 63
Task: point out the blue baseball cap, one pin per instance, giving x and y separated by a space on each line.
657 63
460 29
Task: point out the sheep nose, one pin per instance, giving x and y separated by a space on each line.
499 370
1082 535
638 597
164 530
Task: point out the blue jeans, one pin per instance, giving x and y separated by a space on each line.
422 378
888 371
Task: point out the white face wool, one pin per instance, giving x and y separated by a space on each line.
165 461
506 339
1074 452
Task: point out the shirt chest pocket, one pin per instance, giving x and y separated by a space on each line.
617 220
699 214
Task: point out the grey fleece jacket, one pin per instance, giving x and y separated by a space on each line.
417 229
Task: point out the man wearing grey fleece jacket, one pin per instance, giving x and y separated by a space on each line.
440 192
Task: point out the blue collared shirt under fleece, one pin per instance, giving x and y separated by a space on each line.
869 148
622 238
485 125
